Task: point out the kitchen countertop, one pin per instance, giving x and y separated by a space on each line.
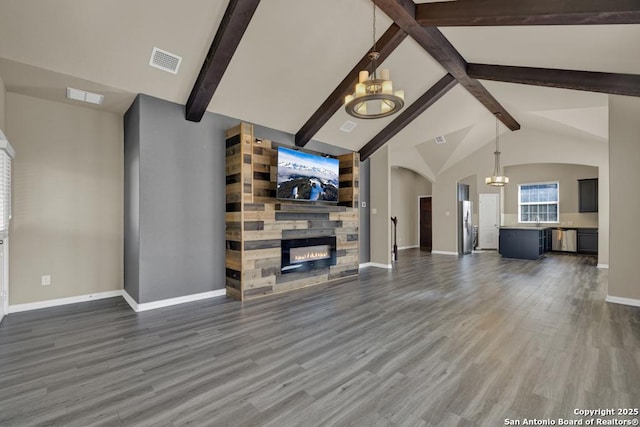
522 227
544 227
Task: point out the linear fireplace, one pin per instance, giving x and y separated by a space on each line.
308 254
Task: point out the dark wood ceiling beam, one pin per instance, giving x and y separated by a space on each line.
612 83
408 115
234 23
402 12
389 41
528 12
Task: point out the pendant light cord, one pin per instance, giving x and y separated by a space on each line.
497 153
374 62
374 25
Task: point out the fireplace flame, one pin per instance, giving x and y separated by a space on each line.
309 253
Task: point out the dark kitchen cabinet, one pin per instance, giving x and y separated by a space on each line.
522 243
588 195
588 241
547 240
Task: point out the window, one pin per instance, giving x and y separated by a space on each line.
6 153
538 202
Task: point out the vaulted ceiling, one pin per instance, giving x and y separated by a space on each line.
294 54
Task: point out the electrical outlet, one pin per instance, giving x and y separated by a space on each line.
46 280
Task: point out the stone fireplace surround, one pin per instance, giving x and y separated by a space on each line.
257 223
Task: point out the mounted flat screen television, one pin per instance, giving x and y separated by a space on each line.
307 177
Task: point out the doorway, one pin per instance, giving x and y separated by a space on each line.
426 231
489 221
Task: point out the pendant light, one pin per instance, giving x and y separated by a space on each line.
497 179
374 97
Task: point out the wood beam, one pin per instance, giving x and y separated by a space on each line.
389 41
528 12
618 84
234 23
437 45
408 115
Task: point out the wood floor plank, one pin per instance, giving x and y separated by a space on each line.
436 341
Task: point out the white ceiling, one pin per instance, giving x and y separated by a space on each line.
293 55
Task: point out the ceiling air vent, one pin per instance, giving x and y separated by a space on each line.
165 61
440 139
348 126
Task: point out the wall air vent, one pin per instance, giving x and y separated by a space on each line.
348 126
440 139
83 95
165 61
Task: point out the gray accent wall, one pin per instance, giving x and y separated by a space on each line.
132 200
175 199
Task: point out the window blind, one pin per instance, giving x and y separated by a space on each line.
6 154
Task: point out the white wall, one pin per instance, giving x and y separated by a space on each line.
3 95
525 146
624 140
567 177
380 214
67 200
406 187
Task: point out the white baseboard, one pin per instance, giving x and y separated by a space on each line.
365 265
444 253
17 308
605 266
623 301
170 301
408 247
375 264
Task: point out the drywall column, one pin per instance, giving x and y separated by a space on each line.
624 158
365 218
380 213
132 201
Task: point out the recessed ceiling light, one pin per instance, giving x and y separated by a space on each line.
440 139
165 61
348 126
84 96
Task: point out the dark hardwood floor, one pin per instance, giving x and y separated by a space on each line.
437 341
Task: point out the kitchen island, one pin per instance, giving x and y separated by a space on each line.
523 242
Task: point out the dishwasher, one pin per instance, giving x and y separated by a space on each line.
564 240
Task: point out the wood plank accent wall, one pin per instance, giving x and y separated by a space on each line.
256 222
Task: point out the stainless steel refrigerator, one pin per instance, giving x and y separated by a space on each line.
465 227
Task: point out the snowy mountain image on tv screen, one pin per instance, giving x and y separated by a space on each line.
304 176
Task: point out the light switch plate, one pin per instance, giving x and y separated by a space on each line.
374 211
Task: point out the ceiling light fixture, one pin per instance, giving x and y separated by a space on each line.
497 179
374 97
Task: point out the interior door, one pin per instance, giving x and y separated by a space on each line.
425 223
488 221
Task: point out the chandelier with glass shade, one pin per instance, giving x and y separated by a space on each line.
497 179
374 97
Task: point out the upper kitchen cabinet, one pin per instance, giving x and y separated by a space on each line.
588 195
